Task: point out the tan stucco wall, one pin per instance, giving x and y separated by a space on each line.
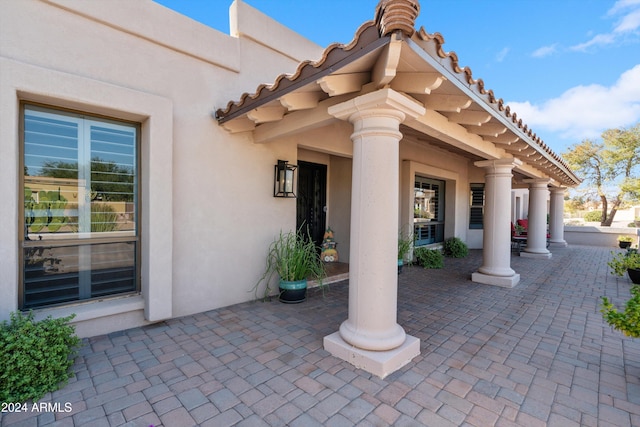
207 205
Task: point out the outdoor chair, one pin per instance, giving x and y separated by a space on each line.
519 238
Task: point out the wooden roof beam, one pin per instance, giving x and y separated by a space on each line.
384 70
504 138
448 103
340 84
266 114
487 129
469 117
417 83
240 124
300 100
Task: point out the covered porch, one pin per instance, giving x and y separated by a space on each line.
398 107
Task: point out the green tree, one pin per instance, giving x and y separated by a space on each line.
609 168
109 181
59 169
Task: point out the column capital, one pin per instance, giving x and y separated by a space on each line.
381 100
537 182
499 163
558 190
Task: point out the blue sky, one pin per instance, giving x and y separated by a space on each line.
569 68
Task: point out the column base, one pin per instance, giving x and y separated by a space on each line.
558 244
502 281
539 255
380 363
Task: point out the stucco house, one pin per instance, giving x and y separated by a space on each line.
138 149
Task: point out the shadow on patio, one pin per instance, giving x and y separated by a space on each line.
538 354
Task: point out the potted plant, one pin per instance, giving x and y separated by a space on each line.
295 258
628 262
405 240
624 241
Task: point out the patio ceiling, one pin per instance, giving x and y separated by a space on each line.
462 116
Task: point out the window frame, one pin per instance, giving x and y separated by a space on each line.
437 224
79 238
476 188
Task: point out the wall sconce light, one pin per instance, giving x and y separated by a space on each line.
284 179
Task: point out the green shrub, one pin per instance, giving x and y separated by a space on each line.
429 258
35 356
455 248
627 321
593 216
623 261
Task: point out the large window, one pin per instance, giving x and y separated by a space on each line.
79 236
428 211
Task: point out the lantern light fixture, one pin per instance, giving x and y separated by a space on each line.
284 179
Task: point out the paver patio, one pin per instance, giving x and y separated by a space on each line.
538 354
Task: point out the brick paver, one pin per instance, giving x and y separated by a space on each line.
537 355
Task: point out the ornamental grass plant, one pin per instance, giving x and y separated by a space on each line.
292 256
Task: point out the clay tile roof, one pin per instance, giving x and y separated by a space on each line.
335 56
391 16
479 84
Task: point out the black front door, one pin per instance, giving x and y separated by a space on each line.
312 199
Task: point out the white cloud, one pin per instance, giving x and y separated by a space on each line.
545 51
622 4
502 54
598 40
586 111
627 25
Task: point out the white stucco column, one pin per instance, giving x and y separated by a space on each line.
556 217
537 230
496 246
371 338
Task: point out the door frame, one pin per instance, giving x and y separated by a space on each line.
318 205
